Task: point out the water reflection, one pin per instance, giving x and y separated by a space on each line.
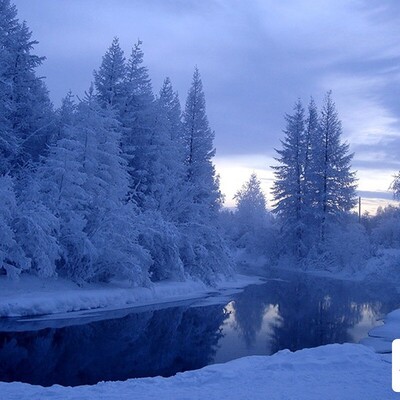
303 311
297 312
141 344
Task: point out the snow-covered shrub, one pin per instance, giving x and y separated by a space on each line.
346 248
161 239
385 265
118 253
204 252
385 229
36 229
251 228
12 257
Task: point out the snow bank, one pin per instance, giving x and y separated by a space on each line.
381 337
31 296
333 372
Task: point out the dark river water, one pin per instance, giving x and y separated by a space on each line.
289 311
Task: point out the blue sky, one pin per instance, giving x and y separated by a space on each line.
256 58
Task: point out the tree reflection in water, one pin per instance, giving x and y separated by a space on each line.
305 311
141 344
300 311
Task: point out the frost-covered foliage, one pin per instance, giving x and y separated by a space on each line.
204 252
199 151
395 186
314 186
384 233
288 189
25 109
162 240
37 229
251 226
385 228
12 258
346 248
120 185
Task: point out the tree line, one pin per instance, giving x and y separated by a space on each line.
119 184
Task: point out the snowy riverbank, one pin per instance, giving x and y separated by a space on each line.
348 371
31 296
333 372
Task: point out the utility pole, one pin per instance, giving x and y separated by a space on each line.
359 210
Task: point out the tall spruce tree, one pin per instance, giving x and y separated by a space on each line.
335 183
314 185
26 118
138 119
62 178
250 200
110 218
171 190
288 188
204 252
109 79
199 151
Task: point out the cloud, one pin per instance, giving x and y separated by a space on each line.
256 58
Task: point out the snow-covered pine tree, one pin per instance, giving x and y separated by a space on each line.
65 115
162 203
253 222
288 188
62 178
109 79
336 183
309 172
111 220
251 204
36 228
12 257
170 191
139 143
203 251
199 152
25 110
8 141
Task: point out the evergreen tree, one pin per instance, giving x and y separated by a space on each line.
288 188
171 108
36 228
9 143
109 79
250 200
336 183
26 119
310 177
170 192
62 180
138 119
65 115
110 218
314 184
12 257
203 251
252 220
199 151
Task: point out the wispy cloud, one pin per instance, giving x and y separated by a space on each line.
256 59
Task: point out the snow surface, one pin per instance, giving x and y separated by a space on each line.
348 371
30 296
381 337
332 372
